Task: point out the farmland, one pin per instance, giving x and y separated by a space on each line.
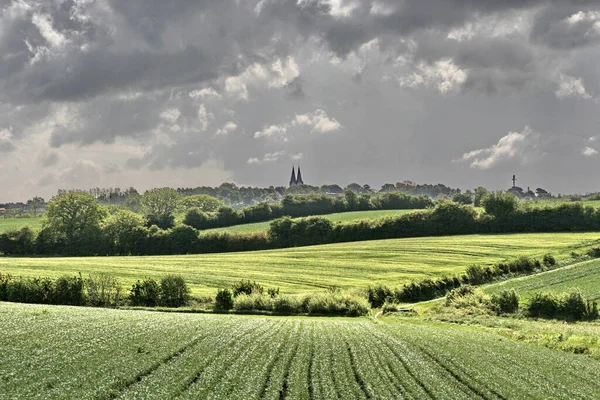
7 224
305 269
337 217
584 276
64 352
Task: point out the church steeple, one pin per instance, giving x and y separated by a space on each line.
293 178
299 178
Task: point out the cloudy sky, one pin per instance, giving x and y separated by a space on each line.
147 93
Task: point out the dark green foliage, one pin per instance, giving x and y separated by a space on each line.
505 302
567 306
64 290
223 300
246 287
103 291
197 218
146 293
18 242
378 295
184 240
549 261
174 292
163 221
462 291
273 292
462 198
499 205
287 232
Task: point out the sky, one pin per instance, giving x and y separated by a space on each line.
187 93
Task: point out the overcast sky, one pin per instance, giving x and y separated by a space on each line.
148 93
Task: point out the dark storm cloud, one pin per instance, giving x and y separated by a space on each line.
415 84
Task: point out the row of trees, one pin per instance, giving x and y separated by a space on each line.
77 225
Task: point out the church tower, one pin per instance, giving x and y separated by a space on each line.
299 178
296 179
293 178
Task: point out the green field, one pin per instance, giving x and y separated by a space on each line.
338 217
83 353
584 276
7 224
304 269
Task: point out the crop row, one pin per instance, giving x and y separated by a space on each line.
62 352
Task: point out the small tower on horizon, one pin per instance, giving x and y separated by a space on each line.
299 180
514 179
293 178
296 179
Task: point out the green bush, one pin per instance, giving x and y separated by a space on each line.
378 295
505 302
567 306
146 293
103 290
69 290
287 305
335 304
246 287
223 300
549 260
252 302
174 291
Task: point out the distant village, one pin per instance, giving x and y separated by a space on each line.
239 197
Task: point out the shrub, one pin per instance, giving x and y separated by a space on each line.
69 290
287 305
146 293
103 291
467 297
378 295
499 205
336 304
505 302
252 302
549 260
273 292
246 287
543 305
174 291
223 300
568 306
461 291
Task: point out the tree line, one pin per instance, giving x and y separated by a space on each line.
75 224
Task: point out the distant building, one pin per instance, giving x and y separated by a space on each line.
296 179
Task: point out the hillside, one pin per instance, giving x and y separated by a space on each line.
348 265
584 276
66 352
337 217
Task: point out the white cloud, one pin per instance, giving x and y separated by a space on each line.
44 24
297 156
272 131
205 117
444 75
204 93
6 144
513 145
226 129
569 86
267 158
319 121
278 75
589 152
170 115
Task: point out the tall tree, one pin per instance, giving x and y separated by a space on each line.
35 204
160 206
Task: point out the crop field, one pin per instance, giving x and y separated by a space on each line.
338 217
584 276
17 223
67 352
304 269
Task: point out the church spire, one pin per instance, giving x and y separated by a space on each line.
299 178
293 178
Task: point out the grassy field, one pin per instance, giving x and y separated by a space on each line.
296 270
584 276
338 217
64 352
17 223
